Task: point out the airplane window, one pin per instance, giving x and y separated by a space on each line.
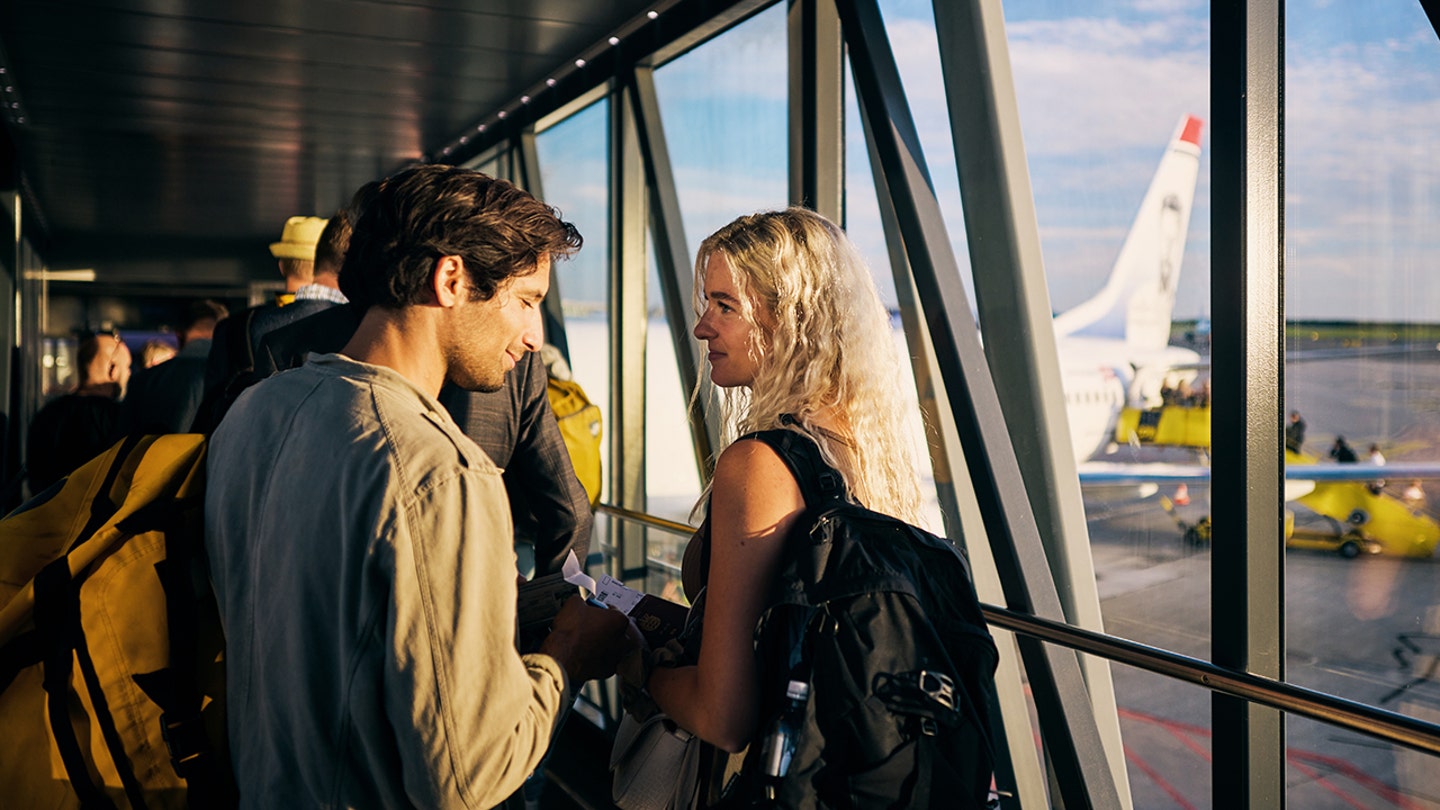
1363 604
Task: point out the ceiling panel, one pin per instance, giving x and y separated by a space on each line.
172 138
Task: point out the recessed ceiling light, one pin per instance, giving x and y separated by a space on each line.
579 63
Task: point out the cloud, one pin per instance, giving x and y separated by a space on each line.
1168 6
746 62
1088 84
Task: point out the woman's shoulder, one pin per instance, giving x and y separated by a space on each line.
750 453
752 467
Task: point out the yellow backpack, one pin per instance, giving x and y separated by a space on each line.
580 426
111 665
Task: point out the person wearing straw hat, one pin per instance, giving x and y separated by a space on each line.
232 352
295 253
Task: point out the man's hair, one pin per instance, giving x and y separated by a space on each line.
408 221
330 250
200 311
88 349
301 269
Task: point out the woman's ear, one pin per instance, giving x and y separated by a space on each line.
450 284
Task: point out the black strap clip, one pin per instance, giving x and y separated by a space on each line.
926 695
185 738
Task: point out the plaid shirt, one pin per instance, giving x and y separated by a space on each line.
320 292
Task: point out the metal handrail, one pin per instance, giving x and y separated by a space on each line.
1370 720
653 522
1366 719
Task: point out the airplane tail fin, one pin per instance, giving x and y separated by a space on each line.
1139 297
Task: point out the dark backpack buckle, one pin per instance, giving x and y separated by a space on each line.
186 741
938 686
925 695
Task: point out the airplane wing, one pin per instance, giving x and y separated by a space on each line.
1102 472
1105 472
1362 472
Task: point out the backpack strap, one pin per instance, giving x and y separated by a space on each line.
821 484
57 620
182 725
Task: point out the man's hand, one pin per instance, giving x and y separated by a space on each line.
589 641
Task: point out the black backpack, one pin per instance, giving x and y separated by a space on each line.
879 619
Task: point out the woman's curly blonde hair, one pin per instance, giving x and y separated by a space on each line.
821 343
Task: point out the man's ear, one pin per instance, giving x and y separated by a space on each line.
450 283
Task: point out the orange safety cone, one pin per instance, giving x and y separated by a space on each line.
1182 495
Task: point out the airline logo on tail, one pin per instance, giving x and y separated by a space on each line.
1137 301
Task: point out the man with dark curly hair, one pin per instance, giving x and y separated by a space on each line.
361 553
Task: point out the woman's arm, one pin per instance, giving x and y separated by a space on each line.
754 503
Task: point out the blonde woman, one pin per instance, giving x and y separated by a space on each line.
796 339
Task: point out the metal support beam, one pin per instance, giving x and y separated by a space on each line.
1067 726
1247 354
528 177
672 257
627 312
817 108
1019 772
1003 239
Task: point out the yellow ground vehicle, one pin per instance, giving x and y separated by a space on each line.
1168 426
1399 528
1347 541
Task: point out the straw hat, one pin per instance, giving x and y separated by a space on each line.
298 239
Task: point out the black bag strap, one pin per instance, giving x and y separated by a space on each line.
242 353
821 484
57 620
182 577
102 508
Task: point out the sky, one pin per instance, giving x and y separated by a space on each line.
1101 87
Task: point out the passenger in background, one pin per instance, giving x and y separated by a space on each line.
165 398
295 255
232 360
1342 452
515 426
1414 494
1295 433
155 352
361 553
321 292
797 339
78 426
1378 459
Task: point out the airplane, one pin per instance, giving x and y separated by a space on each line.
1116 364
1115 348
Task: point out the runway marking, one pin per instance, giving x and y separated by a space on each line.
1158 779
1300 759
1319 779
